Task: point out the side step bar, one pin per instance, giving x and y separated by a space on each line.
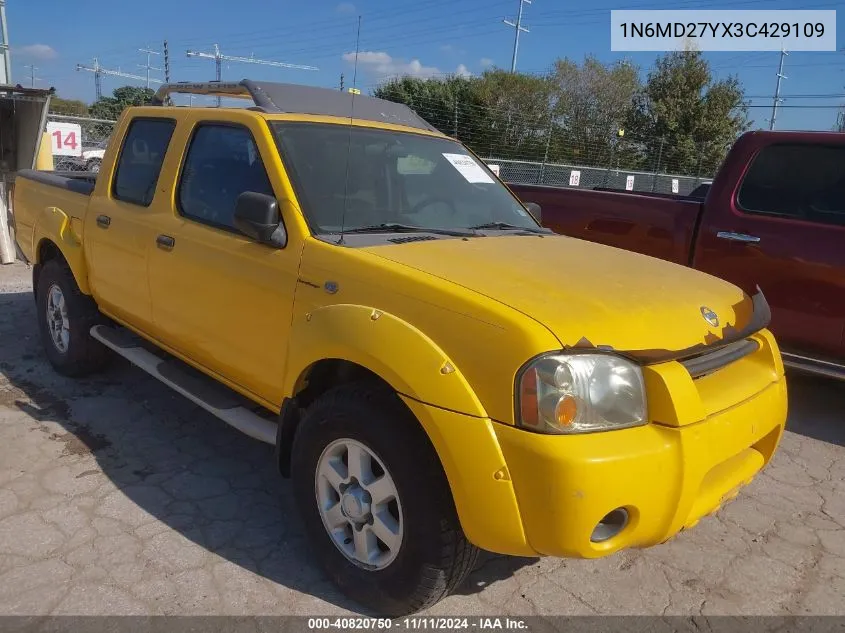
814 365
215 398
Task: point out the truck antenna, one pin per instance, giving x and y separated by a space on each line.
353 91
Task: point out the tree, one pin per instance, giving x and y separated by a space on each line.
73 107
449 104
123 97
517 115
593 103
683 121
500 112
840 122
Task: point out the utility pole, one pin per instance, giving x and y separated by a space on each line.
341 82
219 57
518 28
6 68
99 71
777 99
32 77
148 67
166 63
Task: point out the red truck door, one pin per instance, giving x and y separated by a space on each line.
782 226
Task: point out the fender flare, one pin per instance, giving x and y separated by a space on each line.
443 403
55 226
398 352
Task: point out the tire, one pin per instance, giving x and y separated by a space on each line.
433 557
74 353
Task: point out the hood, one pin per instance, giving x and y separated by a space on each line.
587 294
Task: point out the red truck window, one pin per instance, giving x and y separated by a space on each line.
804 182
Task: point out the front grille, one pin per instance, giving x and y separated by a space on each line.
709 362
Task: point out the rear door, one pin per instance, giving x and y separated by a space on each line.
783 228
120 222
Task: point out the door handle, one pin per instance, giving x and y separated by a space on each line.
165 242
103 221
738 237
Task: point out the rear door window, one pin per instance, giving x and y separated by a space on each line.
141 156
803 182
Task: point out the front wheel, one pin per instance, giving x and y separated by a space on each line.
375 501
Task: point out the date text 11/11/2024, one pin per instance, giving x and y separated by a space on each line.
418 624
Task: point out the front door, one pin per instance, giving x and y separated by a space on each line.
218 297
785 231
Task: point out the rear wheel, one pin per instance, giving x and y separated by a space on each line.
376 505
65 318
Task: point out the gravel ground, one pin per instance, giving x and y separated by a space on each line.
118 496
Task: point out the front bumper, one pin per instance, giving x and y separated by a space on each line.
524 493
666 478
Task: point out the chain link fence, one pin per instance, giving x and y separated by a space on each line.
95 135
585 177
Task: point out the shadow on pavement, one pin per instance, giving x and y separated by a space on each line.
215 486
816 407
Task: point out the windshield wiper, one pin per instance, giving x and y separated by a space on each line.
505 226
394 227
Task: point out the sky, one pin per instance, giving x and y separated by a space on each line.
418 37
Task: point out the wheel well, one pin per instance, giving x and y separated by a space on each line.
46 251
314 382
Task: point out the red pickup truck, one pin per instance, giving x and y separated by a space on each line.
774 217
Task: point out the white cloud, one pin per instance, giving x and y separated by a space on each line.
463 71
447 48
345 7
486 62
37 51
381 64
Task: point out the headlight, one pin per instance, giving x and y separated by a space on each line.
580 393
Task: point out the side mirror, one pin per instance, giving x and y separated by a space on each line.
257 216
534 210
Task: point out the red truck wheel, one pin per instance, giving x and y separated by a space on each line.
65 318
375 501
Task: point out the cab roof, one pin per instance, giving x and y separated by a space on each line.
280 98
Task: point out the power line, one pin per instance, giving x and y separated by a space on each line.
518 28
219 57
32 77
149 52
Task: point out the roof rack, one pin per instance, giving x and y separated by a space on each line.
273 97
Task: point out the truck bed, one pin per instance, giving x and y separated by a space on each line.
658 225
36 192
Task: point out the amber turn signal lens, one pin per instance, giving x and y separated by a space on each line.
567 410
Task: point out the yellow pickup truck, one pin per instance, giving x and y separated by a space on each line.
331 275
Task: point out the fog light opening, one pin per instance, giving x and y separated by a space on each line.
611 525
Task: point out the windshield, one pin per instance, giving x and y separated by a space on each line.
393 178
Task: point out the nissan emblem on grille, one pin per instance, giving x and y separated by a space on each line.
711 317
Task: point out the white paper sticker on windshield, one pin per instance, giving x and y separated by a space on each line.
468 168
